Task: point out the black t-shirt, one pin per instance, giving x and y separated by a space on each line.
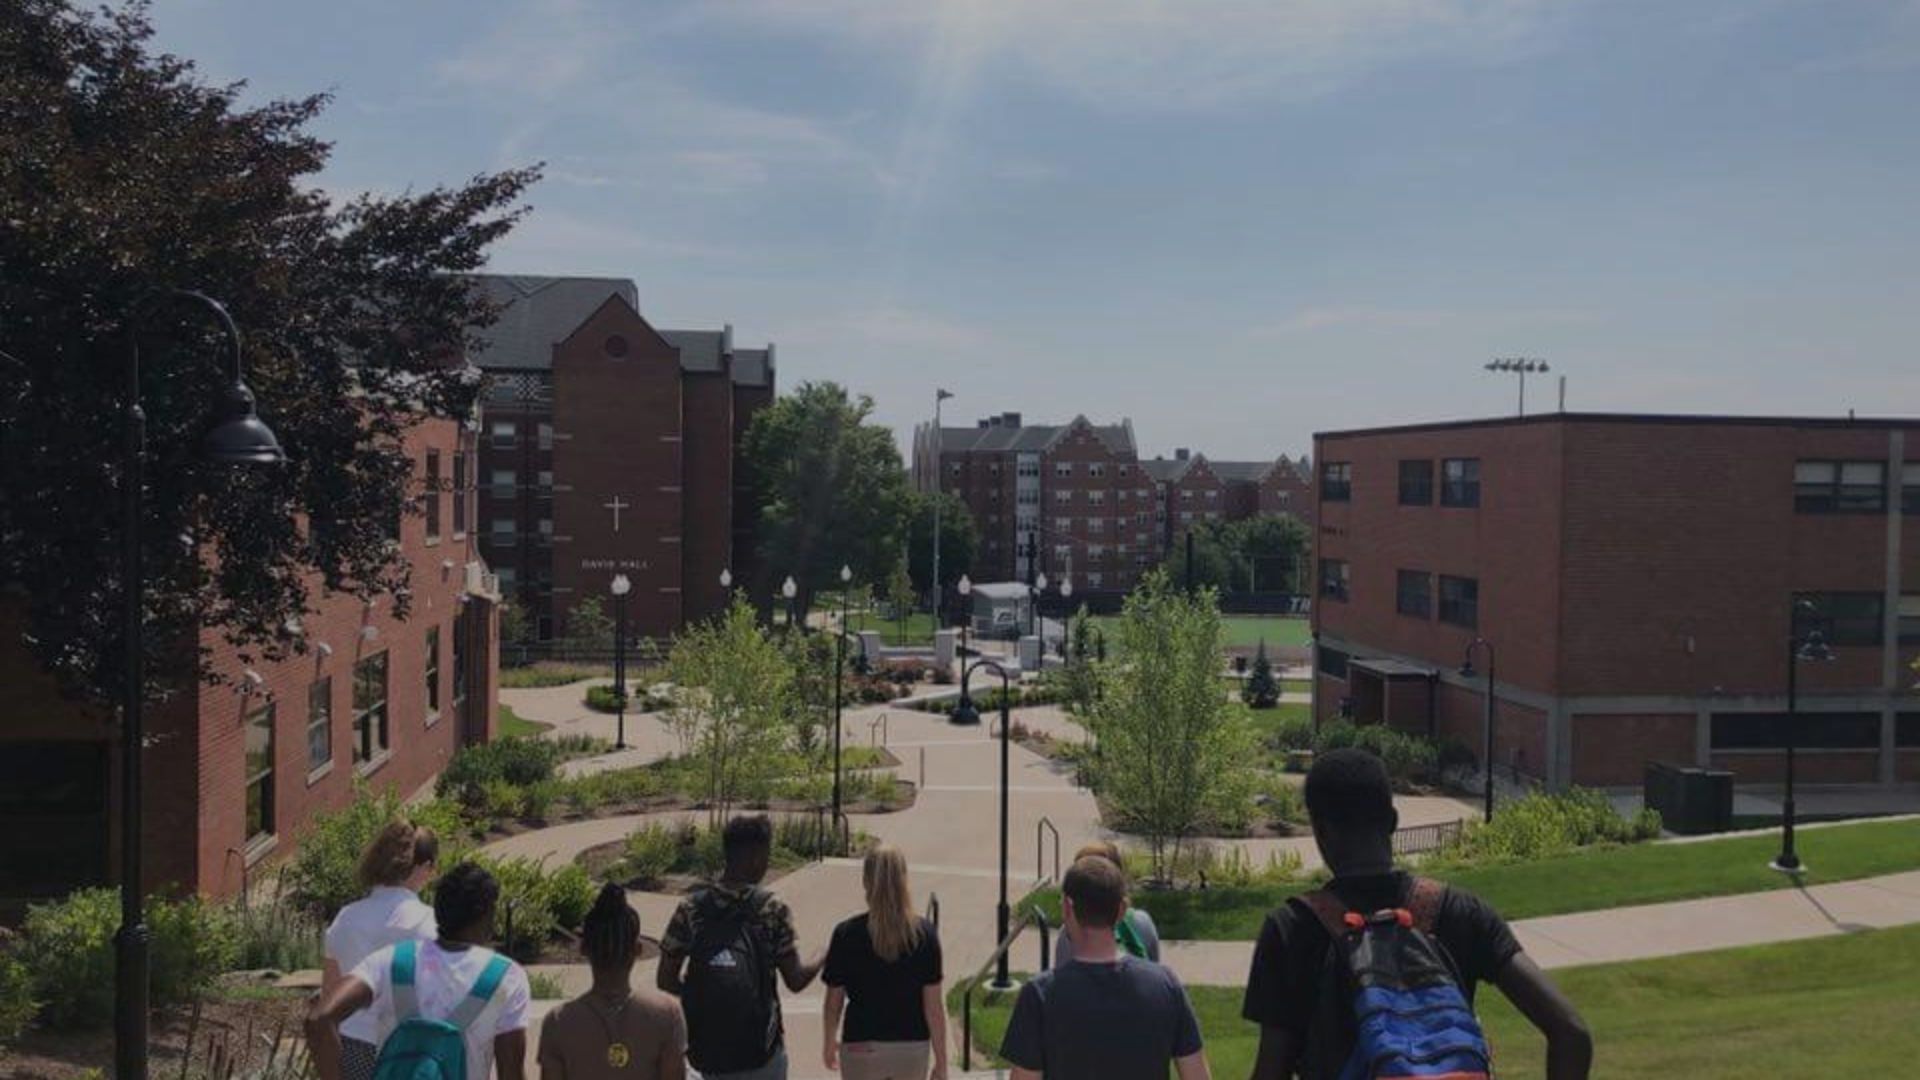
883 998
1285 980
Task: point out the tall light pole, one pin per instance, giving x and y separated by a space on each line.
966 612
1814 647
1466 672
839 662
790 590
621 587
966 713
938 593
1521 366
235 435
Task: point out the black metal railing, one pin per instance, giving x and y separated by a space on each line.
1041 829
933 912
1033 919
879 732
1421 839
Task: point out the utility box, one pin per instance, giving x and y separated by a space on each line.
1691 802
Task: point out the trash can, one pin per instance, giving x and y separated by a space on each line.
1691 802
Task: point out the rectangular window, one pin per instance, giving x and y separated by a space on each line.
1096 469
460 658
1416 483
1910 487
1414 594
504 482
433 674
1062 498
459 494
1126 471
1460 482
370 708
508 577
1910 619
1814 730
1096 525
1336 481
1849 487
260 773
1842 618
1335 579
1186 517
1460 601
1331 662
1062 553
319 723
1186 494
1906 731
545 481
433 495
1063 468
546 436
1096 498
505 434
1212 495
504 530
546 531
1096 551
993 468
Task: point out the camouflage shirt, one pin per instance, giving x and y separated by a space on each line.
772 923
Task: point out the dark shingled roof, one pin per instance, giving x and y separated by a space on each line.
1004 438
1251 472
537 313
753 367
1166 470
700 350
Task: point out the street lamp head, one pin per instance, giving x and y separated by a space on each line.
235 434
1066 586
1040 583
846 575
1815 648
788 589
966 585
621 586
726 578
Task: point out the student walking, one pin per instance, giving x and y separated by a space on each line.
719 956
398 861
1107 1015
452 1001
1135 932
613 1032
1426 946
883 969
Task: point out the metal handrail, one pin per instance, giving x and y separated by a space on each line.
1040 831
884 729
933 911
1033 918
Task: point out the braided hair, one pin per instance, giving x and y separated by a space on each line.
611 930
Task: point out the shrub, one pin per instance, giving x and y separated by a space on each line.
277 936
544 675
517 762
545 987
652 852
568 747
68 948
1293 733
538 798
323 875
535 904
604 699
1541 824
17 1004
1283 803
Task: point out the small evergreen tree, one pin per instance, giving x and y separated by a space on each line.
1261 690
589 628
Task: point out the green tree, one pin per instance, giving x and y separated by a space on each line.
830 488
1080 676
733 701
1262 689
513 621
901 597
1272 551
590 629
959 540
1172 755
125 175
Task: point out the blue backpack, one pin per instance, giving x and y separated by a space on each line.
423 1049
1408 1018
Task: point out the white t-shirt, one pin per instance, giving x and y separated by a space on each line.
388 915
441 978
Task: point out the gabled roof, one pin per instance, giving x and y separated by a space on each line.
536 313
1166 470
1244 472
753 367
1032 438
700 350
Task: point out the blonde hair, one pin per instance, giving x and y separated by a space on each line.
395 851
891 921
1103 849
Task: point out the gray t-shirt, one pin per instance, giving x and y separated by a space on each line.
1143 928
1102 1021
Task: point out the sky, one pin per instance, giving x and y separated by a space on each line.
1235 222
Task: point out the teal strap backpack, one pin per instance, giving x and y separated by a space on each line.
423 1049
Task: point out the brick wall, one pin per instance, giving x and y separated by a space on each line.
1612 750
707 489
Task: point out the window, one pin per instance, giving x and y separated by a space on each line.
544 478
546 436
504 530
1335 579
1416 483
1097 469
1910 488
1212 495
1186 517
320 724
1331 662
546 531
1186 494
1852 487
993 468
1096 525
1336 481
1063 468
260 773
433 495
1062 553
459 494
1096 498
370 708
433 674
1414 595
1842 618
1126 471
1814 730
503 483
1062 498
1910 619
505 435
1460 482
1096 580
460 659
1096 551
954 468
507 576
1460 601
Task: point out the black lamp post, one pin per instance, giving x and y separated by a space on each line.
839 695
1814 647
234 435
965 713
621 587
790 590
1466 672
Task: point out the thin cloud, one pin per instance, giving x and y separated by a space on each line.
1372 318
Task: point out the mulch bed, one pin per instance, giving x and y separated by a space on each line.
242 1027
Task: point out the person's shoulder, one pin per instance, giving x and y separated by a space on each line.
853 926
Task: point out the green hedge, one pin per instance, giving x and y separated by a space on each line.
515 762
68 949
18 1006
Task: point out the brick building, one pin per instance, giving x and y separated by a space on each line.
1194 488
608 446
1639 577
234 769
1075 491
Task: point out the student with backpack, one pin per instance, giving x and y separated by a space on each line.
613 1032
442 1010
719 955
1374 975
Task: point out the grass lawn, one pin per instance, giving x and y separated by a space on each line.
1775 1010
1242 631
1607 878
549 673
512 726
919 627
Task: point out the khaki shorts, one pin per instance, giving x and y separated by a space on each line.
886 1060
